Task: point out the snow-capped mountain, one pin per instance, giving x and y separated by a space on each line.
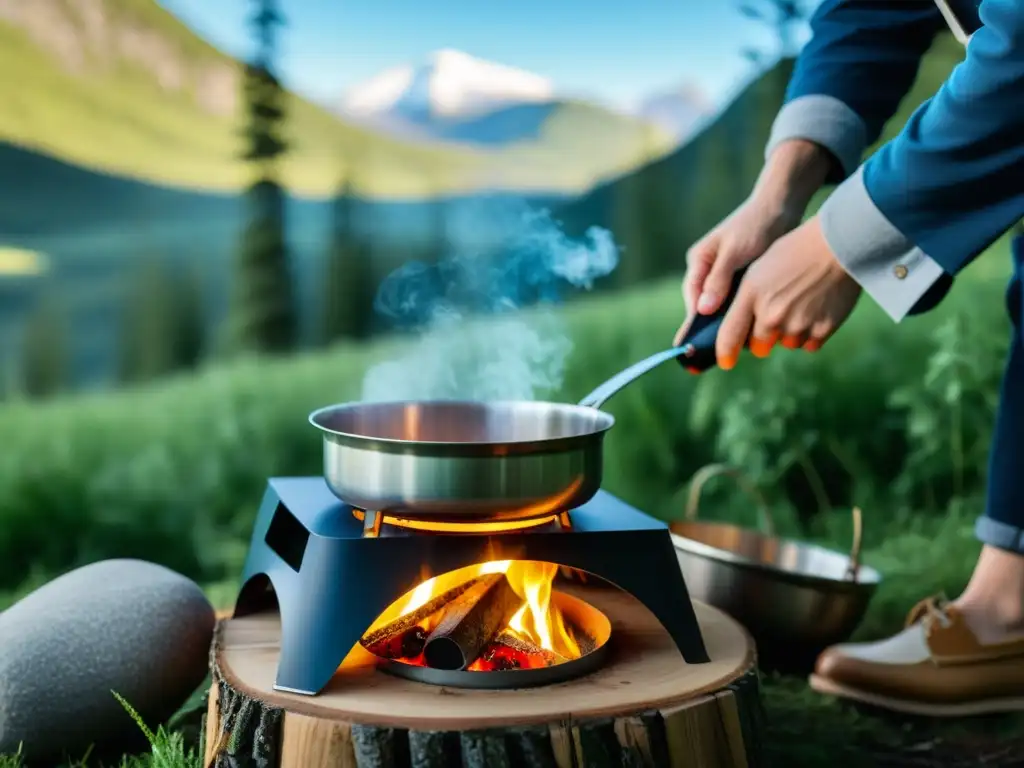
458 98
679 112
449 86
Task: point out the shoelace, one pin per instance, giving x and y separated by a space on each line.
930 611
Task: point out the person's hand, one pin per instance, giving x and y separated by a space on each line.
738 240
797 292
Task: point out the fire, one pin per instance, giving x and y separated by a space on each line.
539 621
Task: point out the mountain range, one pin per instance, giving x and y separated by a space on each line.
454 97
123 87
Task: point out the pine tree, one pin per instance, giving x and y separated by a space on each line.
190 320
163 326
45 354
350 279
263 313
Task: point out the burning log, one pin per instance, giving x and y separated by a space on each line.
407 644
532 651
470 621
508 651
403 636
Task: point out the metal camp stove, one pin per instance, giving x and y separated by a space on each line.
333 570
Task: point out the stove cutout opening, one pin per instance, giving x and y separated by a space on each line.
287 537
499 624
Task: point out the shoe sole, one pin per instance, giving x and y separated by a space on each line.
986 707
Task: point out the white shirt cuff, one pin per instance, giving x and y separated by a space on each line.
886 264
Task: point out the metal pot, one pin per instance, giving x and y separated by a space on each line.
792 596
466 460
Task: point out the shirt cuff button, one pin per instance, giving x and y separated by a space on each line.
900 271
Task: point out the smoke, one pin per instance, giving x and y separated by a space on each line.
502 353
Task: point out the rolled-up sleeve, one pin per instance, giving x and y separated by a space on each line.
949 185
862 58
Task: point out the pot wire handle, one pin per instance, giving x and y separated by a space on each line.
702 475
858 533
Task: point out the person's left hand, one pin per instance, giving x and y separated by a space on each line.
796 293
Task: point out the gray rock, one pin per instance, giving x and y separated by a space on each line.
119 625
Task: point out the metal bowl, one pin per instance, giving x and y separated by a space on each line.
794 598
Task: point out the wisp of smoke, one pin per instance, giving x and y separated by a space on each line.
501 353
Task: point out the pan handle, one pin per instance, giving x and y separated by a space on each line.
702 475
696 351
702 335
603 392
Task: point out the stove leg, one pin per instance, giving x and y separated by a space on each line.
312 650
660 586
371 524
303 670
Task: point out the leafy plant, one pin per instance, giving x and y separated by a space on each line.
766 428
949 414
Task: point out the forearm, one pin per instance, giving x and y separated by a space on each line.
792 174
949 184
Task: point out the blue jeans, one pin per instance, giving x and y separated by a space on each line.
1002 524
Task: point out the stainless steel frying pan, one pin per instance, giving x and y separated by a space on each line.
464 460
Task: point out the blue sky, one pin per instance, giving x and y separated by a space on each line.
614 50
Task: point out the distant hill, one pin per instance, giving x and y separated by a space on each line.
658 211
522 124
123 87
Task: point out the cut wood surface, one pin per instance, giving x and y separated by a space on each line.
644 707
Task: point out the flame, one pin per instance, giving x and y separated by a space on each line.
538 621
431 588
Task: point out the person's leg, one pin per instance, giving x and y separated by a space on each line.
966 657
993 602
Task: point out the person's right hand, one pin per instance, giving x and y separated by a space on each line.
742 237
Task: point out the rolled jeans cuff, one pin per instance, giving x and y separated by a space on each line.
999 535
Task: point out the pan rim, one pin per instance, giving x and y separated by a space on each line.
540 443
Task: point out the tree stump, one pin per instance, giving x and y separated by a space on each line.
645 707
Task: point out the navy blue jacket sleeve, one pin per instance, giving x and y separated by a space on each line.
950 184
953 180
849 79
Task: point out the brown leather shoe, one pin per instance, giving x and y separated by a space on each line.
935 667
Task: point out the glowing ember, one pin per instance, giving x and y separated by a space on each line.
536 635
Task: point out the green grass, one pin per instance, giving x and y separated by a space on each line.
119 120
